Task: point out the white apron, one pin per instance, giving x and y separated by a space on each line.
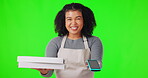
75 61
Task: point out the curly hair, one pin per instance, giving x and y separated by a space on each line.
88 16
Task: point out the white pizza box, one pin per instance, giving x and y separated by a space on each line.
39 59
40 65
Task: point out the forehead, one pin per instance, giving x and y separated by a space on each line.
73 13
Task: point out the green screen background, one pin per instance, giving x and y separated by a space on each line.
26 27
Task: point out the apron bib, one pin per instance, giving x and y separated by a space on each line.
75 61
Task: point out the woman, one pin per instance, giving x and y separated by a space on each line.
75 43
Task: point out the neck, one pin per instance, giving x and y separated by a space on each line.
74 36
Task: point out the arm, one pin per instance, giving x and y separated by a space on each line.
51 51
97 50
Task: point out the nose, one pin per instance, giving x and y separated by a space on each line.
73 22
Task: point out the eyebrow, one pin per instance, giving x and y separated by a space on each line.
76 17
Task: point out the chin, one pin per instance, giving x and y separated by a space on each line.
74 33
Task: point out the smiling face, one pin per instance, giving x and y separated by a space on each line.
74 22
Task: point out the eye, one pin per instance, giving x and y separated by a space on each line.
69 19
78 18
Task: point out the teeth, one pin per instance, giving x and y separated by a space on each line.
74 27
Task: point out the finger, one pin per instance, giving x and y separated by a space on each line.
49 69
36 69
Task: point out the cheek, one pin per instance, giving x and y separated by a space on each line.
67 23
67 26
81 23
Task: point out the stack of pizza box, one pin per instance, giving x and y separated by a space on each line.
40 62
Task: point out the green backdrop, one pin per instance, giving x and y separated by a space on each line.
26 27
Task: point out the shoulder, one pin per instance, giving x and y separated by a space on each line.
57 39
93 40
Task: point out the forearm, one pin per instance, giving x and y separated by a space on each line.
97 51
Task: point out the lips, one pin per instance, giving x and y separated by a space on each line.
74 28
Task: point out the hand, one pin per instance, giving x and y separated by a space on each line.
43 71
86 64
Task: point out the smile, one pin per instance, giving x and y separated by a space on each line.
74 28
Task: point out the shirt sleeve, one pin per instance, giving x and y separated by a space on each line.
51 51
49 74
97 50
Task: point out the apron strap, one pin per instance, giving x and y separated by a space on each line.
86 43
63 41
84 39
